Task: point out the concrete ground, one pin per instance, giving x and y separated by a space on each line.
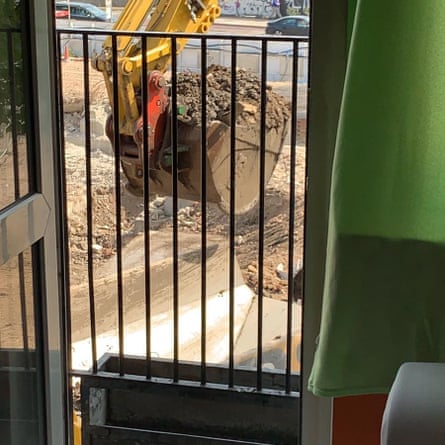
217 315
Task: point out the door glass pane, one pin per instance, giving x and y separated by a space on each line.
20 369
14 179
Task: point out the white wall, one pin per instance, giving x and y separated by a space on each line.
279 61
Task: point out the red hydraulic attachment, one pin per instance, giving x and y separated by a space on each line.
157 105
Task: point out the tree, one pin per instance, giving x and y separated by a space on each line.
11 65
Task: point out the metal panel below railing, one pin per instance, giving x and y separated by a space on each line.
158 411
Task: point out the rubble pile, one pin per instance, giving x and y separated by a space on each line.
219 90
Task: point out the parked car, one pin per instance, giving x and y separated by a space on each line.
294 25
81 11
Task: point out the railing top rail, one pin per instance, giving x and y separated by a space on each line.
208 36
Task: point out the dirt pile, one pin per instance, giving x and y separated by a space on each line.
218 98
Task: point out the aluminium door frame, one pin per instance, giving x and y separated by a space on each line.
35 218
328 55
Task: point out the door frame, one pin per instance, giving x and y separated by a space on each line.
36 217
328 56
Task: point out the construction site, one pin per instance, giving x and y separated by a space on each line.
189 220
183 225
180 264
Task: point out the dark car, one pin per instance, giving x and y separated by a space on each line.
81 11
293 25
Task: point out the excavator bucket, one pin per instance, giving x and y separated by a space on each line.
247 165
218 160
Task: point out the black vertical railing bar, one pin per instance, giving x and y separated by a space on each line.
146 170
117 178
291 240
174 133
261 212
89 209
233 92
203 211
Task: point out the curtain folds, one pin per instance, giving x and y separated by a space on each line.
384 293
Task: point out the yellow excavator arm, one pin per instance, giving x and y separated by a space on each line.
169 16
163 16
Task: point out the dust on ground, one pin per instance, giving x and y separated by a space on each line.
276 218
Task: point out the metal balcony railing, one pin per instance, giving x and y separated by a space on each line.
168 330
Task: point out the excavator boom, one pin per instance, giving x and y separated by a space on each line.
166 16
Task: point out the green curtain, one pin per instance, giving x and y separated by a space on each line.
384 292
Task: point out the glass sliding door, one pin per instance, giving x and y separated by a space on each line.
21 372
